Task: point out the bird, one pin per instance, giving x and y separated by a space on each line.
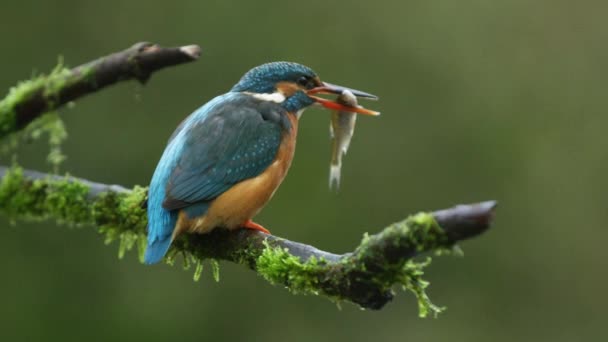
224 162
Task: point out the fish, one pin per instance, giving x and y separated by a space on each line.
341 129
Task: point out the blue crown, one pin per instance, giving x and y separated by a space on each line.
263 78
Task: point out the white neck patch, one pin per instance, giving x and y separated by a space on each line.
276 97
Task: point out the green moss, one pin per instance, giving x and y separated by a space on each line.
87 73
52 125
198 271
422 232
141 247
189 260
57 134
12 200
64 199
171 256
419 232
16 95
426 233
131 211
246 256
8 119
215 268
127 240
48 86
56 81
119 216
122 217
278 266
410 278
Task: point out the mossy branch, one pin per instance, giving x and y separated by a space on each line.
30 99
365 276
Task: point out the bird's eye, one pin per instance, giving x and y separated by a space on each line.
304 81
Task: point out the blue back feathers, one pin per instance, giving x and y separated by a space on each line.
161 221
231 138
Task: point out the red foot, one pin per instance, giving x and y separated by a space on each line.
252 225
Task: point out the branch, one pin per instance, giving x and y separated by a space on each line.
30 99
365 276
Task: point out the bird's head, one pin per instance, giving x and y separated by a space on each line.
294 87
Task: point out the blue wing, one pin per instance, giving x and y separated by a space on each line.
232 138
229 146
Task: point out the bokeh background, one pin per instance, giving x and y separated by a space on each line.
481 100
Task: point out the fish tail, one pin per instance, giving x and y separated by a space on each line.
334 175
335 166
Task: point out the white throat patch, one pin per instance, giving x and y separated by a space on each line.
276 97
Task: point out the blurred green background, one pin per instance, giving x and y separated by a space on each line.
481 100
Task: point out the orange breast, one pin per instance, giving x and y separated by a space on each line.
245 199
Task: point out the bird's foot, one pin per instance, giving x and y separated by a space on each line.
252 225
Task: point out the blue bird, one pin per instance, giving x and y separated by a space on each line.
225 161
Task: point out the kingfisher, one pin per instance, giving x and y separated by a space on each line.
224 162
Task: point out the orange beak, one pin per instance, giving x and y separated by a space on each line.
328 88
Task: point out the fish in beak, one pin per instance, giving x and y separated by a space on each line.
328 88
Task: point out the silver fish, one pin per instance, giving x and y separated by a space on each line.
341 129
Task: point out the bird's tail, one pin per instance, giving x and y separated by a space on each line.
160 237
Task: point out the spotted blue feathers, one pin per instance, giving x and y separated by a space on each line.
230 139
233 137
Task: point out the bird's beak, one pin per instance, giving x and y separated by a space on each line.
328 88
